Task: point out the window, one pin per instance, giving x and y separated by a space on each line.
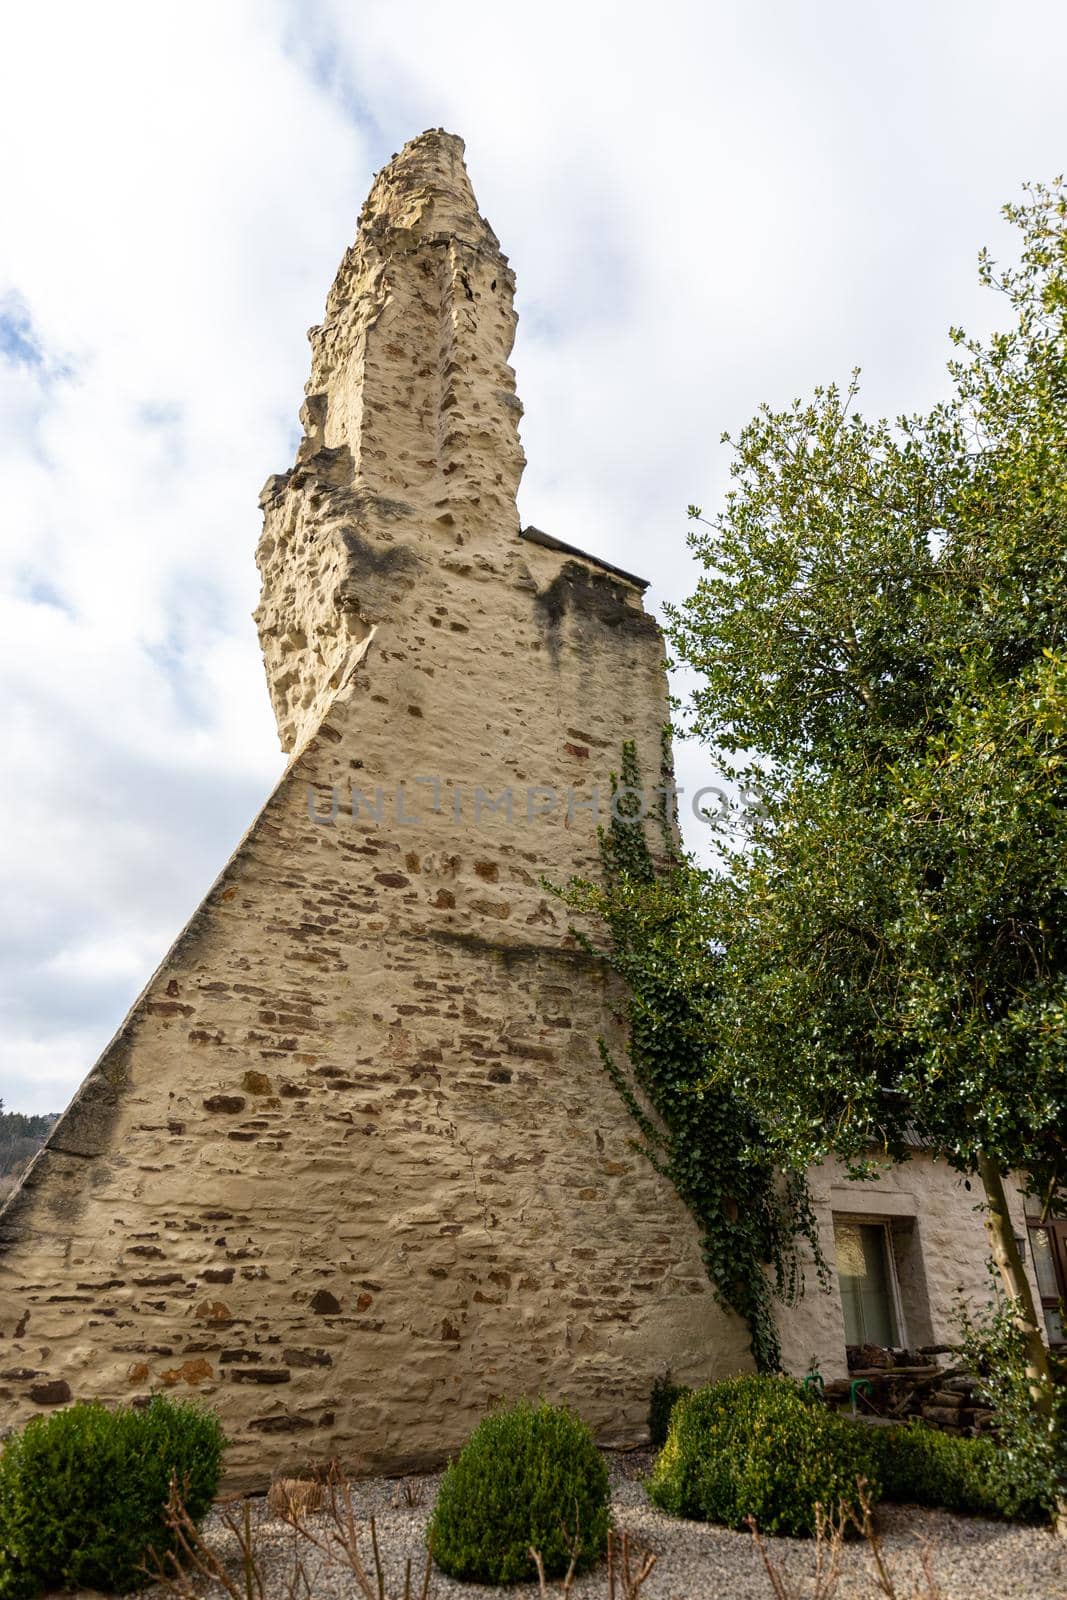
866 1275
1048 1245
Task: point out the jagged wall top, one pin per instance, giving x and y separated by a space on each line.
410 426
427 190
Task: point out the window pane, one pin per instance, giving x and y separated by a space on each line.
1054 1326
1044 1266
863 1273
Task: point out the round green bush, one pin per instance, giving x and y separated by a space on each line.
528 1477
760 1447
661 1403
919 1464
83 1491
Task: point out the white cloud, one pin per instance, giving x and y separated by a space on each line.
170 229
707 205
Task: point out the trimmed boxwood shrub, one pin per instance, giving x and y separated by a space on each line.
661 1403
920 1464
760 1447
528 1476
82 1493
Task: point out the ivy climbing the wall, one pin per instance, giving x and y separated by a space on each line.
751 1217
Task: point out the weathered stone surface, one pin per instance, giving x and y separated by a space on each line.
280 1422
55 1393
363 1092
326 1304
307 1358
193 1373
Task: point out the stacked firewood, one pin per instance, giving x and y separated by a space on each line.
954 1406
892 1386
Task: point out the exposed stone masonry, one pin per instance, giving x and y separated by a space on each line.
351 1169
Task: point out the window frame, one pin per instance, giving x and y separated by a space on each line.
1055 1230
863 1219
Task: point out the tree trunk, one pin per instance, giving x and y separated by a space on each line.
1017 1285
1009 1264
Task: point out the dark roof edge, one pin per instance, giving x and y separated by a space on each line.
535 536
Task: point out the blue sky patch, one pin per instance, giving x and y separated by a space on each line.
18 341
32 587
160 414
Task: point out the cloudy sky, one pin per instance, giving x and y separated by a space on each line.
708 204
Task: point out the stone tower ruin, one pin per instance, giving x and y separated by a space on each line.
351 1170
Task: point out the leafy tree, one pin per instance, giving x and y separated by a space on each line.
20 1137
879 642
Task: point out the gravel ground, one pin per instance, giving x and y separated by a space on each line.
971 1559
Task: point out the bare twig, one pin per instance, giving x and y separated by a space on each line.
829 1550
297 1581
864 1524
829 1539
542 1587
775 1576
933 1588
633 1574
408 1493
192 1563
192 1558
568 1580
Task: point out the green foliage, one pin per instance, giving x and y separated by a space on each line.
1030 1476
919 1464
83 1490
660 1405
704 1138
759 1447
879 634
879 642
527 1477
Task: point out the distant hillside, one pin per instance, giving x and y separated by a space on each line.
21 1137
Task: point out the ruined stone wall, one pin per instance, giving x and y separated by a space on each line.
407 475
351 1169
